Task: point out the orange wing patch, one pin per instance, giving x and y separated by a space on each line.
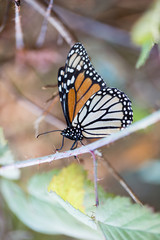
83 88
78 97
86 95
79 80
71 103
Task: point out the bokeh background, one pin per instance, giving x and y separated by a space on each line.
104 28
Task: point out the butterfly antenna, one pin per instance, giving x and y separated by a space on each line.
48 132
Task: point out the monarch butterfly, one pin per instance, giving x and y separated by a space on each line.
91 109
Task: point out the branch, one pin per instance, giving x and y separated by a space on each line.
142 124
122 182
43 31
18 28
54 21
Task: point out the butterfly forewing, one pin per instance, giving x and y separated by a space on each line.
78 81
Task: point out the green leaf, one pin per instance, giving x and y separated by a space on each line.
38 185
75 177
6 157
86 219
119 219
73 188
116 217
145 51
146 32
45 215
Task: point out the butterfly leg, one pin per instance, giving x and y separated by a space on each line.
58 149
73 146
82 143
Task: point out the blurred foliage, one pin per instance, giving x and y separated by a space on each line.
139 112
6 157
146 32
149 172
50 214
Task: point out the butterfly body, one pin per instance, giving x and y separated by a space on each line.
73 133
91 109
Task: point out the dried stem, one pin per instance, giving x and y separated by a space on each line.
18 28
54 21
142 124
41 37
95 177
121 181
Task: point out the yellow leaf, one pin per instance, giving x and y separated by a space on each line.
69 185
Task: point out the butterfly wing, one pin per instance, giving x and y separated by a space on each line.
106 112
77 82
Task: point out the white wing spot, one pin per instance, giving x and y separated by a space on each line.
60 88
78 67
72 79
68 82
71 70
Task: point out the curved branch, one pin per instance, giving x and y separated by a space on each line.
142 124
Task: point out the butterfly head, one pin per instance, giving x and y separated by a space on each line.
72 133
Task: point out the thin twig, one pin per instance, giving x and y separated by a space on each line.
41 37
54 21
17 2
121 181
95 177
18 28
49 86
142 124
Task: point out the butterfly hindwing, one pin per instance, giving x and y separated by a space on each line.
108 111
